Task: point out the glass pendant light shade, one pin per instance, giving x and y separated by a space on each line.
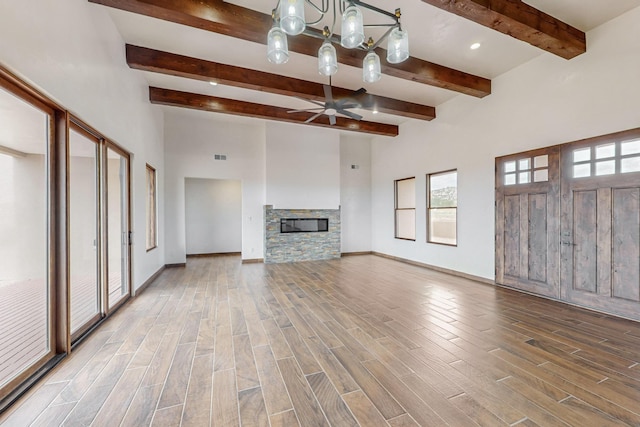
352 28
277 49
292 16
398 46
327 59
371 68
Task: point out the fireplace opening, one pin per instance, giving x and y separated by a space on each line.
304 225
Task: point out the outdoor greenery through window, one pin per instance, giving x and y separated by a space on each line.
405 190
152 239
442 207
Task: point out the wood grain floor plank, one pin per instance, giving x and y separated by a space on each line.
175 388
115 407
279 345
253 412
304 401
246 373
338 375
197 406
300 351
167 417
384 402
336 411
284 419
142 407
275 392
224 410
364 411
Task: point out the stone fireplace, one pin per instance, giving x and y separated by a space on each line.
301 245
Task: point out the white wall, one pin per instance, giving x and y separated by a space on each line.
72 52
544 102
355 193
213 216
303 167
192 138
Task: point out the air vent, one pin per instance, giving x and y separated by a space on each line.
220 156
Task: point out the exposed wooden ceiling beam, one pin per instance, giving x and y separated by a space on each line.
214 104
522 21
247 24
141 58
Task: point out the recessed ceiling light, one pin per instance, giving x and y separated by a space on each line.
213 83
375 111
474 46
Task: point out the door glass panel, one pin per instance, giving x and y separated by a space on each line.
632 164
605 151
524 164
83 244
524 177
117 227
630 147
541 161
24 284
510 179
510 166
580 171
606 168
541 175
582 155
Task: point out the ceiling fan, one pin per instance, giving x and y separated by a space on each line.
331 106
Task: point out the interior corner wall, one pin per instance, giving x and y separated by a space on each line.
72 52
302 167
355 193
192 138
546 101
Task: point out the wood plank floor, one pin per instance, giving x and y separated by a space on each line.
358 341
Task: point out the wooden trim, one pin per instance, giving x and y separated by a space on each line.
247 24
149 281
214 104
456 273
253 261
141 58
177 265
521 21
213 254
346 254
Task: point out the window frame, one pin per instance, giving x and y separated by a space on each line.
151 207
396 209
430 208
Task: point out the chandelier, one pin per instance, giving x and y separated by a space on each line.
289 19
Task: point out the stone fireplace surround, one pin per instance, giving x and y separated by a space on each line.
292 247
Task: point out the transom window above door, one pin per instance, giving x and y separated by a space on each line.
609 158
526 170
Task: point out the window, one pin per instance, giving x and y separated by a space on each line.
406 208
152 227
527 170
443 207
607 159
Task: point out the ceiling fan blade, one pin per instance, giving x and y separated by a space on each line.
332 120
306 110
350 114
315 116
327 93
342 106
320 104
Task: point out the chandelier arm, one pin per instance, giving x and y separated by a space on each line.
375 9
381 39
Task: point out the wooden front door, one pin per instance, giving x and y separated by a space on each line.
528 221
600 226
568 222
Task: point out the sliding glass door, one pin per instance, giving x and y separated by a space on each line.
117 174
84 241
26 340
